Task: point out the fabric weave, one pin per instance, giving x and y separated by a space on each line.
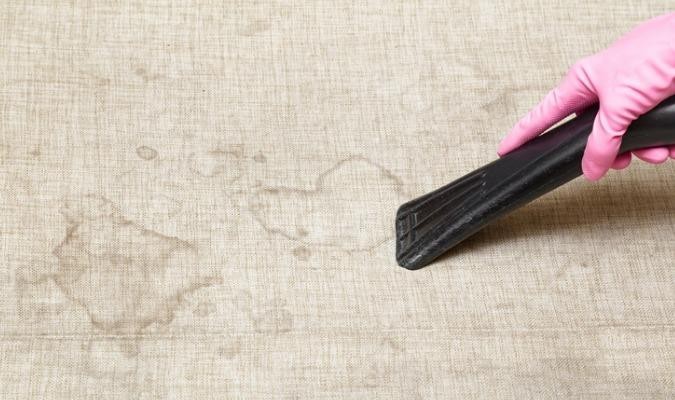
197 202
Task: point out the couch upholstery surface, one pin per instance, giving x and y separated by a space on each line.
197 202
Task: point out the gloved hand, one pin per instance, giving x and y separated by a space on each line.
628 79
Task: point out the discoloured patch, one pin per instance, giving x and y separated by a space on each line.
373 376
270 317
350 224
255 27
301 232
507 305
98 80
230 349
125 276
36 152
223 163
302 253
104 353
260 157
39 299
204 309
146 153
393 344
504 102
145 75
4 153
276 319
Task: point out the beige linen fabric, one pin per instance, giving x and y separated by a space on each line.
198 196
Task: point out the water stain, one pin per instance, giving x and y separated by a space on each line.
230 349
260 157
302 253
146 153
223 163
204 309
36 152
39 299
337 211
4 153
504 101
507 305
393 344
255 27
145 75
125 277
270 317
275 319
97 79
104 353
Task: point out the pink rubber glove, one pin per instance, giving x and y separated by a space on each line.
628 79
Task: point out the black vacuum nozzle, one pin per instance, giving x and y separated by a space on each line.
432 224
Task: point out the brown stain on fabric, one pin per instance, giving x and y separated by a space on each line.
145 75
270 317
220 162
256 27
334 212
146 153
104 353
4 153
230 349
98 80
36 152
302 253
275 319
125 277
204 309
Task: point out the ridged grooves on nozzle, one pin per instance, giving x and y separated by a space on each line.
414 220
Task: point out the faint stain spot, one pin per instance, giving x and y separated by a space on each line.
560 273
4 153
36 152
373 377
505 305
335 212
302 253
143 74
255 27
204 309
220 162
394 344
230 349
111 357
125 277
259 157
271 317
273 320
146 153
504 101
99 80
39 299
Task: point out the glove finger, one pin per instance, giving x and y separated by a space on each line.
653 155
572 95
603 143
622 161
633 96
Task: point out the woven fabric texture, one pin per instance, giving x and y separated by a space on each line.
197 201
